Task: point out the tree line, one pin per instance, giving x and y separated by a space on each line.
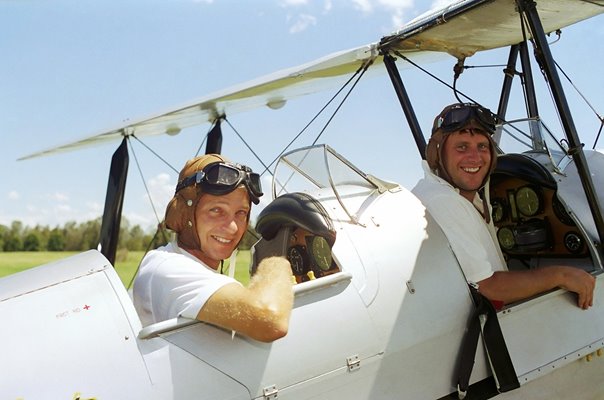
84 236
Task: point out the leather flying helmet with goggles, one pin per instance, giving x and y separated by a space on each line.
220 178
454 118
458 116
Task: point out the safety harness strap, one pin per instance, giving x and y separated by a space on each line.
501 363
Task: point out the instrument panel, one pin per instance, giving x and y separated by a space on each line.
530 220
310 256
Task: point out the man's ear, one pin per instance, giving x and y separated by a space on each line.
432 154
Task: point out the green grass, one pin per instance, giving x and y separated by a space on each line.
126 265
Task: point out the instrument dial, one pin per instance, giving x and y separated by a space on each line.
321 252
506 238
296 255
527 201
573 242
498 210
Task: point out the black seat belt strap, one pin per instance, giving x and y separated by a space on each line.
501 363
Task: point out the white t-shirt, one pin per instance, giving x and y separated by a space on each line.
172 282
473 241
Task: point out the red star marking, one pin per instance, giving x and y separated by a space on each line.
86 307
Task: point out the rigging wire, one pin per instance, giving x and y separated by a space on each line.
559 68
246 144
203 141
154 153
600 118
314 118
364 69
145 185
436 78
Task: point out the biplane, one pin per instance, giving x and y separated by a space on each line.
381 303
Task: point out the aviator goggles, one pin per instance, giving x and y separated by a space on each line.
220 178
459 116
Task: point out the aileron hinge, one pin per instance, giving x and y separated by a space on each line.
270 392
353 362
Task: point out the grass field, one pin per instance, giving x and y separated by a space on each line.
126 266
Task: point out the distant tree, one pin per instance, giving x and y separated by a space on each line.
3 232
56 240
91 234
12 243
71 236
135 239
31 242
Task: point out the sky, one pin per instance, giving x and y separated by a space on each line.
74 68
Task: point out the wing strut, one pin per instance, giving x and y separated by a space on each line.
528 83
116 187
506 88
405 102
529 8
214 144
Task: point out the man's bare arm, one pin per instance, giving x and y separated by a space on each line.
510 286
261 310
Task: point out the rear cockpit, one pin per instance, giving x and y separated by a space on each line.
535 218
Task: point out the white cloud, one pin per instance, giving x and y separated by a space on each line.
161 190
59 197
95 208
398 8
13 195
288 3
302 22
363 5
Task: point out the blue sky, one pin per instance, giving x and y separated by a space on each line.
71 69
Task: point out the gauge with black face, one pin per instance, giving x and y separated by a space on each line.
321 252
506 238
573 242
297 257
498 210
528 201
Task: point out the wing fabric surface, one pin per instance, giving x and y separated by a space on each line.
460 29
466 27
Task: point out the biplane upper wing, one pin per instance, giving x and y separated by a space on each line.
460 29
465 27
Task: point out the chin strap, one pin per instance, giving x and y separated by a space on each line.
485 206
233 263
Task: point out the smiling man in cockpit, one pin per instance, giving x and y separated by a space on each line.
209 214
460 157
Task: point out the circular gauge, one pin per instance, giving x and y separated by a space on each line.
296 255
321 252
573 242
498 211
527 201
506 238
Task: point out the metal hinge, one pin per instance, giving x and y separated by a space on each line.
353 363
270 392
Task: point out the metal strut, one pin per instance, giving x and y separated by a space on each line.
529 8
